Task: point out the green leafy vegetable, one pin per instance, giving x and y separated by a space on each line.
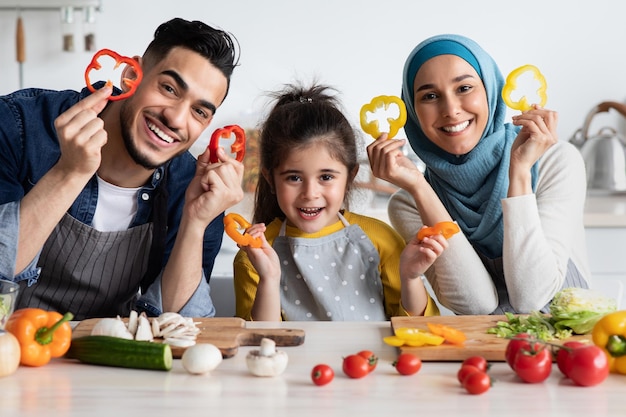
536 324
572 310
580 309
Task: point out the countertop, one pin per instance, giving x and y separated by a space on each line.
68 388
605 210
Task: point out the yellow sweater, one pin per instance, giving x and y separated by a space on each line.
384 238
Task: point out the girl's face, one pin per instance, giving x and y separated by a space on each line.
310 186
450 103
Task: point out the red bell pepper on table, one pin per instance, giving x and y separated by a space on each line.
119 60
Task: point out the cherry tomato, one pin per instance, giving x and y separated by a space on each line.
407 364
589 366
514 346
355 366
477 383
465 371
322 374
477 361
372 359
564 356
533 364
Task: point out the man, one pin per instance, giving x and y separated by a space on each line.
102 208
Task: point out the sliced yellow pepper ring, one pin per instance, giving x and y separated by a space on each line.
233 221
410 336
511 85
393 341
382 103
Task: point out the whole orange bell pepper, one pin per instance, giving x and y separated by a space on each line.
42 334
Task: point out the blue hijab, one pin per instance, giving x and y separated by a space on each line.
471 185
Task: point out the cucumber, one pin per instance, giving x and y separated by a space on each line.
124 353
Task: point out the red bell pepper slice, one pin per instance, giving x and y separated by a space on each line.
238 147
119 60
233 221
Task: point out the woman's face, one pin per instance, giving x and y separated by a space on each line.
450 103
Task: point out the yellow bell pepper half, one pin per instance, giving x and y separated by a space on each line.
511 85
609 333
382 103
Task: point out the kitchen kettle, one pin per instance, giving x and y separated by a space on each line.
604 153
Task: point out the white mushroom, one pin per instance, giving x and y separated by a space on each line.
201 358
133 319
111 327
267 361
144 328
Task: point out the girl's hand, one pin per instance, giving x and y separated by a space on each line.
264 259
538 133
418 256
389 163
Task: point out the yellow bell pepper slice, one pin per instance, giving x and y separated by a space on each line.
383 103
511 85
393 341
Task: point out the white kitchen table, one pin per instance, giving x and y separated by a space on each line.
68 388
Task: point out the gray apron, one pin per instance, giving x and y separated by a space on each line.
334 277
88 272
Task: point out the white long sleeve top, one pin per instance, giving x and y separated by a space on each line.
543 233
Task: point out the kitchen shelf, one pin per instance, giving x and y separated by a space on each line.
47 5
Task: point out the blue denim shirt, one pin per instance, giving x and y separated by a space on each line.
30 148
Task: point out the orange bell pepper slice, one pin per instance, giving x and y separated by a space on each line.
234 221
42 335
450 334
511 85
382 103
119 60
238 147
447 229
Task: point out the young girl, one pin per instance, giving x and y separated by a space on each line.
319 261
515 190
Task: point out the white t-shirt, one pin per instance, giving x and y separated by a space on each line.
116 207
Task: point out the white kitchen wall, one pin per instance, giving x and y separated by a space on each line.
358 46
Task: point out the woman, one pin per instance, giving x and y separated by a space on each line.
516 191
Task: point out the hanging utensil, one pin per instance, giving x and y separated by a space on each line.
20 45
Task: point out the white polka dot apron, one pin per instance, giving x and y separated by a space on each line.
333 277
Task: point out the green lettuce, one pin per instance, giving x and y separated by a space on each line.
579 309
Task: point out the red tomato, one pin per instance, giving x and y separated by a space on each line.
407 364
477 361
465 371
564 356
372 359
533 364
477 383
322 374
355 366
589 366
514 346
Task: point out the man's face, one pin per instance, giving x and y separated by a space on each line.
172 106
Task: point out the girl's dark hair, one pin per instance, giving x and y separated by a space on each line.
217 46
300 117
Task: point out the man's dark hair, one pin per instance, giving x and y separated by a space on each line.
219 47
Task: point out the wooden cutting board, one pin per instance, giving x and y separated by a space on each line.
227 333
475 328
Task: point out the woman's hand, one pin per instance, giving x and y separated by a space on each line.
538 133
389 163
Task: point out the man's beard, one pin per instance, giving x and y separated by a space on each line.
139 158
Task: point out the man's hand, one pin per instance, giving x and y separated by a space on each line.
81 134
214 188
